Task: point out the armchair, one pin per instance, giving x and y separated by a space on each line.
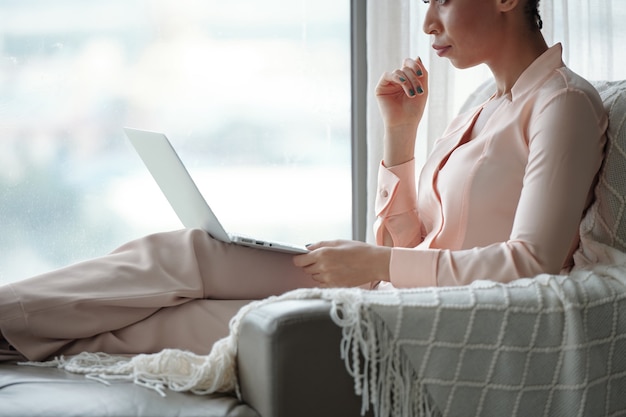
288 352
558 348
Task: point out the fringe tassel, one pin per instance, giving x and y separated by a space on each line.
169 369
383 375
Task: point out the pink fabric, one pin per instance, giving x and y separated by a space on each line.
169 290
506 204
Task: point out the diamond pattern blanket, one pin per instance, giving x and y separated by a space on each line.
551 345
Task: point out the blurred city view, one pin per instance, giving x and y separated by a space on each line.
255 96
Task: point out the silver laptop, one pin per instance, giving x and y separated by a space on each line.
163 162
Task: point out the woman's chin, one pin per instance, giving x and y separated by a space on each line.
462 64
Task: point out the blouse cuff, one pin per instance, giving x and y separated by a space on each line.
409 268
396 185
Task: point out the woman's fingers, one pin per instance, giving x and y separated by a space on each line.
412 76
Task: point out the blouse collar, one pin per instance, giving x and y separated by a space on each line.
538 70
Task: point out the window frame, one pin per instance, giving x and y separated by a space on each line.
358 47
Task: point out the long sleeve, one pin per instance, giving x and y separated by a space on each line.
398 220
396 206
565 153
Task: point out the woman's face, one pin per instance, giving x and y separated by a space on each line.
464 31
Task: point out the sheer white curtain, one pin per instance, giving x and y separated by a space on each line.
589 30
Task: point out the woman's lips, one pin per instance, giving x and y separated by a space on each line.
441 50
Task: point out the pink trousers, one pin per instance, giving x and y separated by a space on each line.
168 290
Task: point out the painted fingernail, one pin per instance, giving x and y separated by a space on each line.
402 80
419 90
419 72
411 92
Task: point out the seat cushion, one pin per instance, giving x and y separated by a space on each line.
27 391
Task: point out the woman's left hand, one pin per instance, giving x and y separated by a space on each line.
345 263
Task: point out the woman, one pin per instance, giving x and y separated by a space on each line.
503 191
500 198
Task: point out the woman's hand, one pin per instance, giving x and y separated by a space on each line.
402 96
345 263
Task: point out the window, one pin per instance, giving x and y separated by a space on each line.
254 95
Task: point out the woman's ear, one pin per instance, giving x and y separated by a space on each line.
507 5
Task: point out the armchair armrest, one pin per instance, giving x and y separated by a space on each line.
289 362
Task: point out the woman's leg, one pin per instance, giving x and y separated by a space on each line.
43 315
193 326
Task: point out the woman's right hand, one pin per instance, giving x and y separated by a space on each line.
401 97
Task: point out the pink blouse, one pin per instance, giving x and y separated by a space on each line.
506 204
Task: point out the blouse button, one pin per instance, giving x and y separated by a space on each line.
384 193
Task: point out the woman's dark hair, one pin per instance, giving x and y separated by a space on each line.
532 11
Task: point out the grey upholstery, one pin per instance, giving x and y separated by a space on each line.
46 392
289 362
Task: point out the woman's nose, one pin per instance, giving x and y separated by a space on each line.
431 21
